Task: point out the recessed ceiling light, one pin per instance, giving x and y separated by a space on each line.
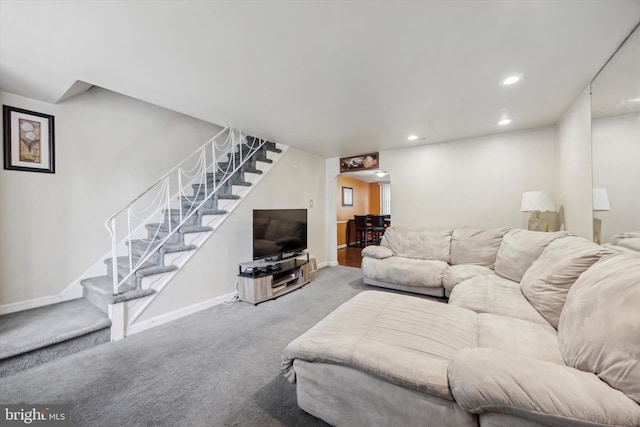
511 80
504 122
381 173
412 137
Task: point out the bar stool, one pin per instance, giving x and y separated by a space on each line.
377 228
363 229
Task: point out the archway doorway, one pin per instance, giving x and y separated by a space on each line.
361 193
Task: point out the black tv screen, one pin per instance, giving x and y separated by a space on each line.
277 232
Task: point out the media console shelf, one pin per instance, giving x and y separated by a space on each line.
262 280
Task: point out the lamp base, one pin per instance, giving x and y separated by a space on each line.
538 224
597 230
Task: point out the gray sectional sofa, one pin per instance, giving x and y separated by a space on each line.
433 262
626 242
550 336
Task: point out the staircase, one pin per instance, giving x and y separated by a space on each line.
159 231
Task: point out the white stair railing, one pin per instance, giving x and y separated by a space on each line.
222 156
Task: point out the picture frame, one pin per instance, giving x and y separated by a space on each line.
347 196
360 162
28 140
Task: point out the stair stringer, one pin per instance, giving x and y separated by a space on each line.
134 309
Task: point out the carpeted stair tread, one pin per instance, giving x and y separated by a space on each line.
185 229
203 212
123 263
272 149
253 170
191 201
131 295
144 244
240 183
228 197
195 229
169 249
103 285
40 327
199 189
264 160
156 269
145 269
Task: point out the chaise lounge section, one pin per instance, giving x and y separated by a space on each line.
548 338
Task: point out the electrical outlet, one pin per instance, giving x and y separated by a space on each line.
310 203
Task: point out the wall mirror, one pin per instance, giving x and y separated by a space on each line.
615 136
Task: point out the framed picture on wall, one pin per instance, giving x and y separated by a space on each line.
28 140
347 196
357 163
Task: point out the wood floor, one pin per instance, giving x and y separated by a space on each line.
350 257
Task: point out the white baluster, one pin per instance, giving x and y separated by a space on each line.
204 172
114 255
168 196
129 239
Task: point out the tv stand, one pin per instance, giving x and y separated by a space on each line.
263 280
284 256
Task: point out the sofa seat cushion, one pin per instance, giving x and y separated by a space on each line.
518 336
548 280
405 271
490 293
519 249
403 339
455 274
599 328
418 243
537 392
476 246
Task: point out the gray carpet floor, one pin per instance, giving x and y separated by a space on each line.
218 367
31 329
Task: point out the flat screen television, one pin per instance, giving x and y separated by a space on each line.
279 233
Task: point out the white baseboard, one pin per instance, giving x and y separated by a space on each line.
332 263
177 314
30 303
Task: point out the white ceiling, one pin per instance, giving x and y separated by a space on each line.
332 78
368 175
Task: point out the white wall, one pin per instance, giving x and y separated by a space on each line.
108 148
574 167
291 183
616 167
474 182
332 171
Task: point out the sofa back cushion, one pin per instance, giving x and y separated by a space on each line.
418 243
599 330
519 249
547 282
476 246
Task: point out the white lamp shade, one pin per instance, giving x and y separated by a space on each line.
541 201
600 200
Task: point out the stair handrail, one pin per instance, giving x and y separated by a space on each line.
229 145
166 175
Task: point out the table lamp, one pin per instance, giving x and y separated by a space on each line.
600 203
536 202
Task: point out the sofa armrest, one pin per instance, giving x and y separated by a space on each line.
487 380
379 252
